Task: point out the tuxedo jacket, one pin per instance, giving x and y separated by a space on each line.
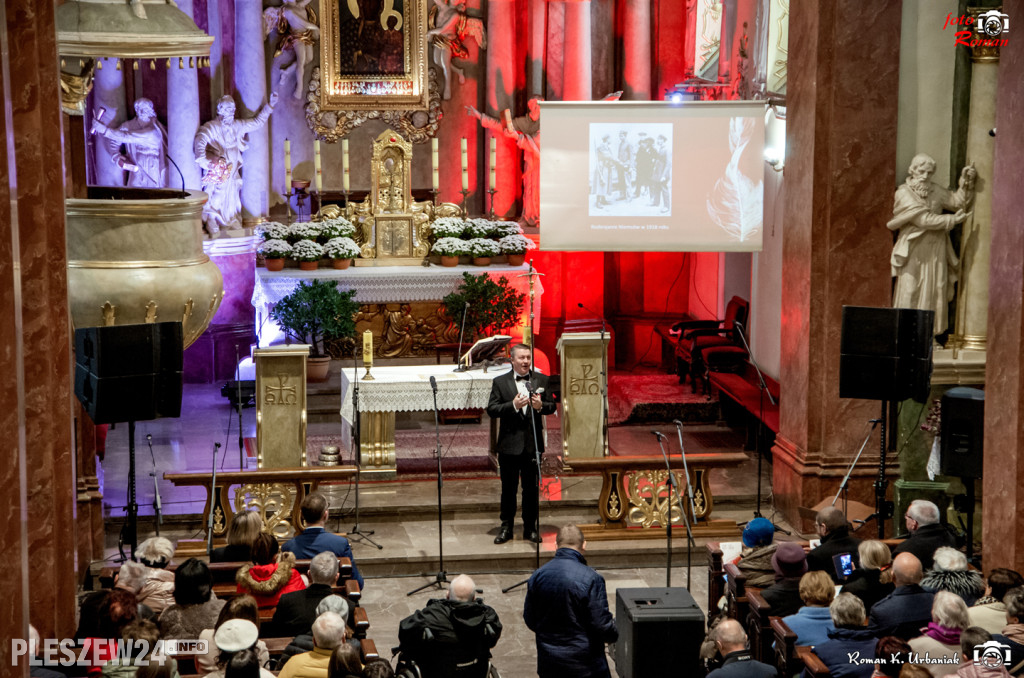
515 433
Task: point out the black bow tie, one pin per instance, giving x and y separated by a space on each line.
524 377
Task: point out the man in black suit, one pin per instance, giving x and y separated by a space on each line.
296 611
834 531
926 533
515 397
908 609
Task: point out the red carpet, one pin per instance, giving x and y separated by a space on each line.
640 398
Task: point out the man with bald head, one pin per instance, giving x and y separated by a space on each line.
834 530
737 661
453 636
905 611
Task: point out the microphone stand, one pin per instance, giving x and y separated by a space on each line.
131 522
763 387
462 332
440 579
673 498
157 503
238 406
843 486
213 502
356 532
686 471
536 460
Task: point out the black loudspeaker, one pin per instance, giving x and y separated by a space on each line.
885 353
962 432
659 628
129 372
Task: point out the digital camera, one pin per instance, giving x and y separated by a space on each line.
993 23
992 654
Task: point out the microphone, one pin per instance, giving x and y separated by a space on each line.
677 423
149 438
658 434
433 383
216 445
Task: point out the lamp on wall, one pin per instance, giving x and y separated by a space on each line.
775 137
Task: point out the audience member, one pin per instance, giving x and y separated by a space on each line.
813 621
296 611
345 663
790 563
243 664
157 670
567 608
755 560
941 638
232 637
1014 601
451 636
848 637
138 632
130 577
39 671
909 607
872 579
737 662
157 591
304 641
915 671
992 666
834 530
328 634
242 531
239 607
949 573
926 532
195 606
989 612
270 574
378 668
895 651
315 539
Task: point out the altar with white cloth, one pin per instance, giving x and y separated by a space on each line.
401 305
407 389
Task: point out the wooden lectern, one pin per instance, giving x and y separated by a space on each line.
281 406
584 370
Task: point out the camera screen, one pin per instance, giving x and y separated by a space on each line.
844 565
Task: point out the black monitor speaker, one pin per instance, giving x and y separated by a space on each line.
885 353
129 372
961 433
659 628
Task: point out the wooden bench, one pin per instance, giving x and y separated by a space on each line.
744 389
224 573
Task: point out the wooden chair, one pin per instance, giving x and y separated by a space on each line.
699 335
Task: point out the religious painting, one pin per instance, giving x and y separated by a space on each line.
373 54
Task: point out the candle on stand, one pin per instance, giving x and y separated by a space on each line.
436 180
287 166
344 164
317 167
465 165
494 160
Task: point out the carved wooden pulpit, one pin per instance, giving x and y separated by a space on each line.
584 369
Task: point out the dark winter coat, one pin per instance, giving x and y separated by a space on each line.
832 544
867 585
903 613
450 638
924 542
842 642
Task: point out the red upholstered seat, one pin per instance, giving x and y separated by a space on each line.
698 336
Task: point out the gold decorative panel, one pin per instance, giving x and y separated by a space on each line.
281 406
584 368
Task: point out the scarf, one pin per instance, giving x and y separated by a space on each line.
943 634
1014 632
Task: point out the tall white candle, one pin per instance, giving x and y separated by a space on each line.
465 164
317 170
494 160
344 164
435 165
287 166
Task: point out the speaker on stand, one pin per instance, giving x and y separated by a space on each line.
961 444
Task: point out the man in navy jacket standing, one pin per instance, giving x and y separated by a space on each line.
567 607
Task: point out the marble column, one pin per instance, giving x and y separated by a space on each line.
251 94
636 49
577 73
501 85
108 94
739 22
975 245
37 473
840 173
1003 484
537 14
182 119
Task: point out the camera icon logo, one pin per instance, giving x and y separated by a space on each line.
993 23
992 654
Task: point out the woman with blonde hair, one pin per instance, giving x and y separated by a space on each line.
242 532
813 621
872 580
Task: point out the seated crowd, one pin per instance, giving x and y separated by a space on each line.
917 610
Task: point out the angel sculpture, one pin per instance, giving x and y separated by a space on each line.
451 28
296 26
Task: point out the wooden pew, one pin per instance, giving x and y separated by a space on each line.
716 578
759 628
786 659
737 603
815 667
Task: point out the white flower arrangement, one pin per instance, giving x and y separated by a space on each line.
339 227
341 248
275 248
516 244
274 230
505 228
482 247
307 250
480 228
303 230
448 227
450 247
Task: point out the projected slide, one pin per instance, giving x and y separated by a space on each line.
630 169
652 176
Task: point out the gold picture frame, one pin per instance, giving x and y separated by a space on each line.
377 60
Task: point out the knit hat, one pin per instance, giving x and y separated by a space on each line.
758 532
235 635
789 560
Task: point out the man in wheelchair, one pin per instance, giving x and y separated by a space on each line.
451 637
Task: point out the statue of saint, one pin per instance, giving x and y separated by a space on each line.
451 29
218 149
145 144
297 29
923 261
525 129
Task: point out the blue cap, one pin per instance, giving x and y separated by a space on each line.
758 532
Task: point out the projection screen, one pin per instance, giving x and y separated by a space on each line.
652 176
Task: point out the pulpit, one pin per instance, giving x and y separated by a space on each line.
584 369
281 406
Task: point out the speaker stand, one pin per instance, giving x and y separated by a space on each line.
130 532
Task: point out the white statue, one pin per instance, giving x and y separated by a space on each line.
218 149
296 27
145 142
451 29
139 9
923 261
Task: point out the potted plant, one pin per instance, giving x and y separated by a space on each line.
308 254
274 252
313 313
480 228
303 230
450 249
503 228
338 227
342 251
491 306
482 249
515 247
275 230
448 227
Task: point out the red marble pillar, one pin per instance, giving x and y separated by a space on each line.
537 25
840 173
577 65
555 51
636 50
1003 484
501 86
669 32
